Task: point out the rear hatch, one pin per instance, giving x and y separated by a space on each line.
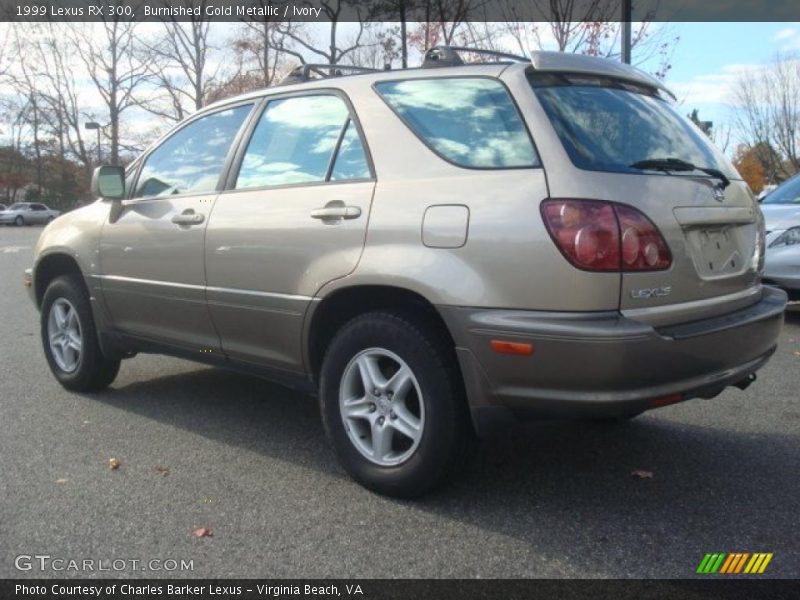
626 143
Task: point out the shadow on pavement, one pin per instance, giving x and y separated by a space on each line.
564 488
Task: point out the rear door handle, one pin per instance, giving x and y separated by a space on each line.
335 210
188 217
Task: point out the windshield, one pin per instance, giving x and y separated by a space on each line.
788 193
608 125
16 206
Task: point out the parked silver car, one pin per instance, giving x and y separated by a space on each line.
27 213
433 251
781 209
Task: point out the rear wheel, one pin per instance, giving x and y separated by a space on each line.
69 338
19 221
393 405
616 419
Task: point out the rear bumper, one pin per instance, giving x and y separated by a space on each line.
604 364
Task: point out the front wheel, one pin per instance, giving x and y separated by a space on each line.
393 405
19 221
69 338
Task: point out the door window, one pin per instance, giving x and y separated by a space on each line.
192 159
351 161
295 140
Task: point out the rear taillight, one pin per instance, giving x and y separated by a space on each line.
604 236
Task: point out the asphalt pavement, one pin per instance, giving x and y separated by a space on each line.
200 447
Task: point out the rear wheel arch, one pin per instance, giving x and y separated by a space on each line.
345 304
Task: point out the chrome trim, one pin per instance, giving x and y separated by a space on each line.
191 286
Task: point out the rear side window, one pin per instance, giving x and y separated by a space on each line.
191 160
471 122
296 142
351 161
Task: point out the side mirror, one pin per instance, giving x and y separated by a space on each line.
108 182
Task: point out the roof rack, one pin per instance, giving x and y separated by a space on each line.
303 72
447 56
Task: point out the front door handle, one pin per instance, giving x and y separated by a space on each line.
188 217
335 210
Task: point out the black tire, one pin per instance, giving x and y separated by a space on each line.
19 221
616 419
447 440
94 371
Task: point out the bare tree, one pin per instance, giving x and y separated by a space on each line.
336 50
114 63
766 111
180 66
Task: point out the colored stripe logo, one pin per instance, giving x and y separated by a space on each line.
737 562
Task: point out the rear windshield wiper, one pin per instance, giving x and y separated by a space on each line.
676 164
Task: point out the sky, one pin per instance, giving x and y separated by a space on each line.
709 56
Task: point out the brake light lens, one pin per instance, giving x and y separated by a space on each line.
646 249
595 235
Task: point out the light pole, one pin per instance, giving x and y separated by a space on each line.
97 126
626 31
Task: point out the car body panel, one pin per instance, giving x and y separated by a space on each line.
781 263
153 272
266 258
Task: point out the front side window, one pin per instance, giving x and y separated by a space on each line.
471 122
609 125
295 141
191 160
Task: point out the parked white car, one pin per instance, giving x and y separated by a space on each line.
27 213
781 210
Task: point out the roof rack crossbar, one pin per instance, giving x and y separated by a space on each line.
447 56
303 72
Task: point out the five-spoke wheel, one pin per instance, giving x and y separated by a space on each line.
69 337
382 406
393 403
64 333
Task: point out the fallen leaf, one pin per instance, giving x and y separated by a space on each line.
161 470
114 463
640 474
61 481
200 532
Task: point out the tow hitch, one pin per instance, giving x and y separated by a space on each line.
745 383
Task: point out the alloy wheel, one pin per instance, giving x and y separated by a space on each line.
65 335
382 406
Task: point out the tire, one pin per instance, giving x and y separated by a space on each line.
616 419
432 398
19 221
66 311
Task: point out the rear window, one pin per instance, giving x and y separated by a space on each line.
471 122
607 125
